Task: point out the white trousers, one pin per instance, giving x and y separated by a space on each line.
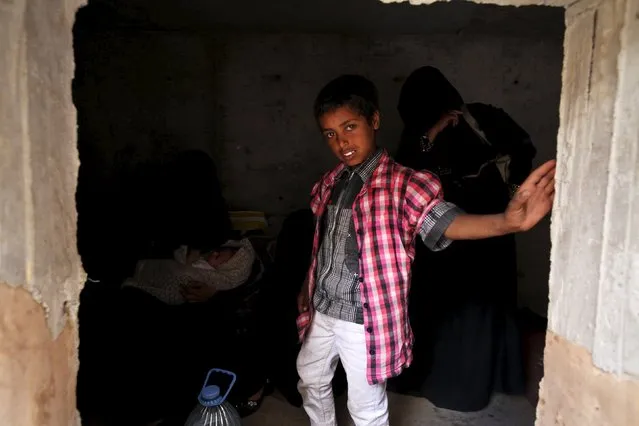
328 341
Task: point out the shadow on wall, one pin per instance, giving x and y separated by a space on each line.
143 187
147 210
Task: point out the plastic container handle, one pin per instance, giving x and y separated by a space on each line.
219 400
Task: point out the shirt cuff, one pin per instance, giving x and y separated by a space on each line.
435 224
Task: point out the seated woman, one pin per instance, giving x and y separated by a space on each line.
463 299
186 315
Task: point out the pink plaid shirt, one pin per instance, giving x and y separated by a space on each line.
388 214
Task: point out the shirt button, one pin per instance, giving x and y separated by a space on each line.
361 279
369 329
365 305
372 352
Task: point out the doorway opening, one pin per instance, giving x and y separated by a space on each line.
186 108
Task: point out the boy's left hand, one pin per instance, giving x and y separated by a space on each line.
533 200
195 292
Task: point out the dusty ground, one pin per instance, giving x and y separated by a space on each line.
407 411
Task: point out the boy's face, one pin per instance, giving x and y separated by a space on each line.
349 135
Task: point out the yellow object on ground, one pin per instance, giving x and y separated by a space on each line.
247 221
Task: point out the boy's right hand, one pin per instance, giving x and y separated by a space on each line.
302 298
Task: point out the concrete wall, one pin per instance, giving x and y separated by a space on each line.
247 98
354 17
269 139
40 273
592 357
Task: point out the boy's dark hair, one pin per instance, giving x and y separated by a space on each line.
353 91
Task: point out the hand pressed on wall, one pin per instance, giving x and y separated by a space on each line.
533 200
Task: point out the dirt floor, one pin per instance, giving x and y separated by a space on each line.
406 411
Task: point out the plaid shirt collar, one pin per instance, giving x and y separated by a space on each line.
378 173
364 170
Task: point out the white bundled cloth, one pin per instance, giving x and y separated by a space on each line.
165 278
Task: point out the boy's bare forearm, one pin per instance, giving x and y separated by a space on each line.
476 227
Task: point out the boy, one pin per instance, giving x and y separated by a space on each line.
369 210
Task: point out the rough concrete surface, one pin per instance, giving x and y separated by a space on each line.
576 393
581 184
40 272
593 256
37 372
591 357
554 3
617 333
39 162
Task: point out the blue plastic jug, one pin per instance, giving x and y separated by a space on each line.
213 408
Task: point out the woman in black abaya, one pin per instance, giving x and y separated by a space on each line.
463 299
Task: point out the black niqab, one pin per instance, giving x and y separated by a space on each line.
425 97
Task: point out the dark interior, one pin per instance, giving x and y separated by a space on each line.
172 137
